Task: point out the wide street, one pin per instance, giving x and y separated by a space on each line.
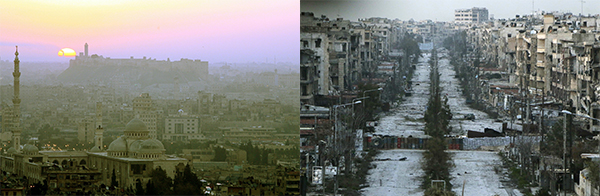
474 169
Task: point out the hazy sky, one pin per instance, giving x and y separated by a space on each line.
441 10
223 30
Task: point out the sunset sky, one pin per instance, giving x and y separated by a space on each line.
215 31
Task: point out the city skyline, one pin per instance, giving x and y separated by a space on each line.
438 10
230 31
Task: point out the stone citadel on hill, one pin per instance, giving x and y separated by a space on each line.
129 72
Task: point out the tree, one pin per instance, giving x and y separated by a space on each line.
368 107
46 131
150 189
160 183
553 145
139 189
436 162
113 179
594 176
410 45
37 189
190 177
186 182
220 154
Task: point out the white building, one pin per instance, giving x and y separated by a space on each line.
182 127
473 15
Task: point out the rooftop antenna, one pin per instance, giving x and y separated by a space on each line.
582 2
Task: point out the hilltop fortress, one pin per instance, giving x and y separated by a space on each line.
124 72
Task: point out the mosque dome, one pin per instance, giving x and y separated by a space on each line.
136 125
30 149
119 145
152 146
135 146
12 150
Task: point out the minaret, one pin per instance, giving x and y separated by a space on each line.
99 128
86 49
16 104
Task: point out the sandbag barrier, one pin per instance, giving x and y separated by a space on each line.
394 142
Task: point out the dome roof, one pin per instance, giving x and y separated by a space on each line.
151 146
136 125
119 145
12 150
95 149
135 146
28 148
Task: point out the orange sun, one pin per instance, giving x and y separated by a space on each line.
67 52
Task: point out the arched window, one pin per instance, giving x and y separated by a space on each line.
82 162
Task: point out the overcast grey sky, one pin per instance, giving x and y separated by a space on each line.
440 10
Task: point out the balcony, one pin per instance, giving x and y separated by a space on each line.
584 77
539 78
307 79
540 64
306 97
541 50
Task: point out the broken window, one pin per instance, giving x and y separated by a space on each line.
303 73
304 90
318 43
305 44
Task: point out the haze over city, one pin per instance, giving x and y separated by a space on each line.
149 97
232 31
441 10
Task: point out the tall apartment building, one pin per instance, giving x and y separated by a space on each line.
144 110
551 58
473 15
86 129
204 100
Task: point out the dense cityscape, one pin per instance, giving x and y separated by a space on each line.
106 133
475 106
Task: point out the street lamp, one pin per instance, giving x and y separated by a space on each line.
566 112
364 92
336 145
335 108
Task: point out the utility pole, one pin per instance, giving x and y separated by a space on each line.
565 154
463 189
532 7
582 2
542 133
565 113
